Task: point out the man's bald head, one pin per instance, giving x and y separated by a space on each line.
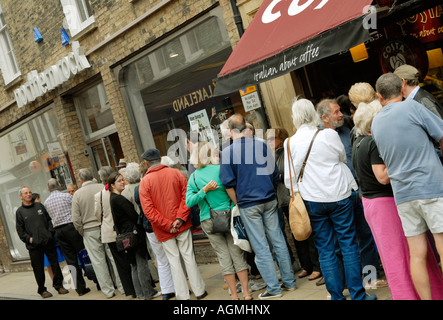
237 122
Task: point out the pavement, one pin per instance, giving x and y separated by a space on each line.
22 286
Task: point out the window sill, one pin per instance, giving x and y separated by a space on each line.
13 82
89 29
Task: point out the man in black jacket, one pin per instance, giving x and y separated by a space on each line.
34 227
410 76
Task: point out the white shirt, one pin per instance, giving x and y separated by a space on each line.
326 178
413 93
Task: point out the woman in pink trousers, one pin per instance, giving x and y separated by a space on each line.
381 212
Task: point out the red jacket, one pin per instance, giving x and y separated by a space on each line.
163 199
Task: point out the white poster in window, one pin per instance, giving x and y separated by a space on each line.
199 122
250 98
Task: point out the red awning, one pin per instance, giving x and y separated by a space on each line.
288 34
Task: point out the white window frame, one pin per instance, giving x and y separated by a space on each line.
8 61
71 10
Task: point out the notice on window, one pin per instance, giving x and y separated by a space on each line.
250 98
199 122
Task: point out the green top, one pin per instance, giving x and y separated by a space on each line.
218 199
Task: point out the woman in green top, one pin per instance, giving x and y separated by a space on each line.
204 185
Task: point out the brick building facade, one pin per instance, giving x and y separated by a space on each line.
87 120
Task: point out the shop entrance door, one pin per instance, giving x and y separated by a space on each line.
105 151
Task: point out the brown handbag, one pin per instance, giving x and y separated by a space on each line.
298 215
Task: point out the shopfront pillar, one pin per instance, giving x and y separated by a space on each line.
124 129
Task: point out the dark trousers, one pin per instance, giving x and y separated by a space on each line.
71 242
306 250
123 269
38 265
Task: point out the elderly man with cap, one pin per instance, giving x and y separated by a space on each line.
163 199
410 79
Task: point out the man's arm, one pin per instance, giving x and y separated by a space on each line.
153 215
21 230
231 193
76 216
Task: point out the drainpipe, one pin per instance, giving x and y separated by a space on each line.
237 18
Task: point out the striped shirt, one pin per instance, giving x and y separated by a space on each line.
59 206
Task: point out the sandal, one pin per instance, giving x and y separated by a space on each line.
248 297
236 298
303 274
314 275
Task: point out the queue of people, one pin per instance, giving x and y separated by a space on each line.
373 188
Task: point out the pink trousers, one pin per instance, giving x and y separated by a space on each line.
382 217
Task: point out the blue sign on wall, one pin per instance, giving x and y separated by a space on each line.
65 37
37 35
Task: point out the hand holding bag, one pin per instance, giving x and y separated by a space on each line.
298 215
221 219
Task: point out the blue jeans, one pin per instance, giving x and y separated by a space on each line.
261 221
330 221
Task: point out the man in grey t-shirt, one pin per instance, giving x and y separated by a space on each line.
403 131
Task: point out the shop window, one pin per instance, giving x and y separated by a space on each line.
8 62
31 153
182 98
78 15
94 111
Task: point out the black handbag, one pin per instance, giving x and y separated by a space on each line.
127 240
221 219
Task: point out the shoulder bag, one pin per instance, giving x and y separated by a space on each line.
126 240
298 215
221 219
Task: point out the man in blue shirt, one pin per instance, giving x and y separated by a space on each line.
403 131
249 173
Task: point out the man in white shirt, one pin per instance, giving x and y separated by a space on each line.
331 116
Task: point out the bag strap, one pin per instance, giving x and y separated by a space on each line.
195 182
101 203
291 161
302 170
291 164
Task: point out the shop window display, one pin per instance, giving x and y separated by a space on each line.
32 153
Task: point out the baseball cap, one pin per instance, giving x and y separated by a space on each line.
151 154
407 72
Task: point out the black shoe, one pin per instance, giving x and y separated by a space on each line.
168 296
202 296
266 295
84 292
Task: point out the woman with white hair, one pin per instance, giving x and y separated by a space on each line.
381 211
325 186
